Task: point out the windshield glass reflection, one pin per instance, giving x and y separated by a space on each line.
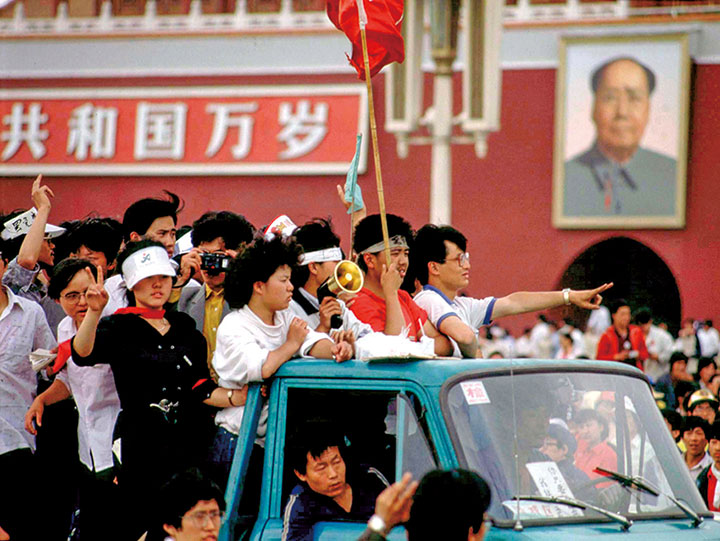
545 435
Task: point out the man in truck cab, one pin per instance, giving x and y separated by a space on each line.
328 490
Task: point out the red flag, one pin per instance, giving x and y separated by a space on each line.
384 40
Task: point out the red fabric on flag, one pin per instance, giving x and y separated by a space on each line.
384 40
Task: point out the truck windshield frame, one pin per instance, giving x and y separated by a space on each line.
499 419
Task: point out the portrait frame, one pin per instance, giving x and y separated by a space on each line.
647 194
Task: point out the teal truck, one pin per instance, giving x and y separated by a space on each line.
490 416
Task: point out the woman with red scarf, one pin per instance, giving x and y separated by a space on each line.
159 362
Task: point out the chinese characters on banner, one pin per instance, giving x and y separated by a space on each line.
255 130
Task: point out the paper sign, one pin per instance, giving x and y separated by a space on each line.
474 392
550 482
529 509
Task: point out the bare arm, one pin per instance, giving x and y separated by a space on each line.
327 349
522 302
465 337
32 243
220 399
443 346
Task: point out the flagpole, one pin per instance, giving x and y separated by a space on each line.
373 131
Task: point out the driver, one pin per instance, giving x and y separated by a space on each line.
559 446
327 490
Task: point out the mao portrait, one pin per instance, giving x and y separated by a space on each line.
621 134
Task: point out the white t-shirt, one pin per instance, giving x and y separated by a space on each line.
475 313
243 344
350 320
98 405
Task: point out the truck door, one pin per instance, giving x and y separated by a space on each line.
388 427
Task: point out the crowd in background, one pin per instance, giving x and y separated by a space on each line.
155 331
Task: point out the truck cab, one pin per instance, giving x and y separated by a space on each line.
489 416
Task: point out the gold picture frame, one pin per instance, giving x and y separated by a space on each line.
621 132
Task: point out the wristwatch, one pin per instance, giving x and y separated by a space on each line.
230 395
566 295
376 524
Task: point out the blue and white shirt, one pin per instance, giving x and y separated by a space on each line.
475 313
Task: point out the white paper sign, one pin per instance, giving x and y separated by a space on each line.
550 482
529 509
474 392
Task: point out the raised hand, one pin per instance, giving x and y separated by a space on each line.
41 195
329 307
394 503
390 279
589 298
96 296
190 263
297 332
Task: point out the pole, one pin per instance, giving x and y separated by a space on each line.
441 164
373 132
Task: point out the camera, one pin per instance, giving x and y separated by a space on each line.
215 262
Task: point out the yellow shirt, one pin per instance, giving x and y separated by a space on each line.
213 313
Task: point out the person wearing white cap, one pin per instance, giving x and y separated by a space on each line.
158 360
30 247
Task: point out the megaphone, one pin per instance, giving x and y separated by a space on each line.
345 278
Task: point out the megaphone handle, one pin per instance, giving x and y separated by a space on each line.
336 321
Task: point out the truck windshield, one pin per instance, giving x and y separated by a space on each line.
531 434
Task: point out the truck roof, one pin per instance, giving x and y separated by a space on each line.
435 372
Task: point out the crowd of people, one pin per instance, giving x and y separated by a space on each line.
154 331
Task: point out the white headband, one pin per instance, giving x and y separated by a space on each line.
20 225
149 261
398 241
320 256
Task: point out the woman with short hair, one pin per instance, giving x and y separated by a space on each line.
158 360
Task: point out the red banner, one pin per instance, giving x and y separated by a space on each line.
260 130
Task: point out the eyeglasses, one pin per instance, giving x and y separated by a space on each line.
74 296
462 259
550 443
200 518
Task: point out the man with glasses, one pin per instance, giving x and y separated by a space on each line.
190 508
442 266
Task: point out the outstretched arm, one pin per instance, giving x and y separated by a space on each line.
522 302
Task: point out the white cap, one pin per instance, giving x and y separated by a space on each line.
20 225
150 261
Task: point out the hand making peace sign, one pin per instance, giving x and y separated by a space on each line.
96 296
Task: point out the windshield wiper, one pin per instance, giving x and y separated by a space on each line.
572 502
642 484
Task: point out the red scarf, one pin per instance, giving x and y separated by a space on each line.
63 354
148 313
